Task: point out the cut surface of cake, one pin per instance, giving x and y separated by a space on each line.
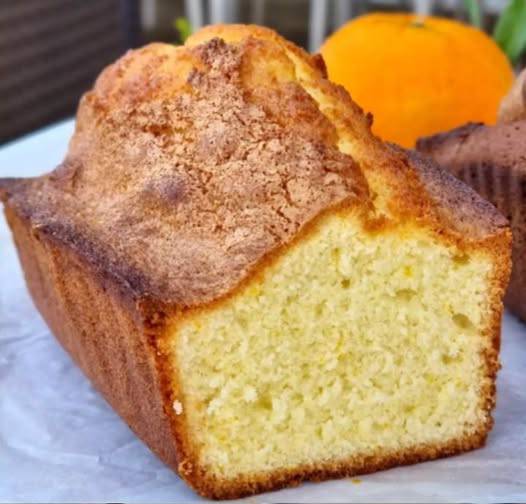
264 291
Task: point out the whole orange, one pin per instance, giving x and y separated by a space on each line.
418 76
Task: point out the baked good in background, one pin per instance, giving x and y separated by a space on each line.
263 290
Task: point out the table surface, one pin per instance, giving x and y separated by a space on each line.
60 441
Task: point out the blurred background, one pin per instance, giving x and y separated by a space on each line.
52 50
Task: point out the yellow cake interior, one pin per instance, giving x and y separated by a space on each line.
348 344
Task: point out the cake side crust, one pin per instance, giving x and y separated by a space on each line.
108 334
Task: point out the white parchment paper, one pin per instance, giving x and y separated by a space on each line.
61 442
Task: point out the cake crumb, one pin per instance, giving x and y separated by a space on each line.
178 407
250 394
356 481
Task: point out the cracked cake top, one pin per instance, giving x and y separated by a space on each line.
190 164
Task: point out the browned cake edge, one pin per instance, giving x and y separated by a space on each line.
117 340
491 160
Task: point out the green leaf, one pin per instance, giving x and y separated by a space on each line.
183 28
510 30
473 8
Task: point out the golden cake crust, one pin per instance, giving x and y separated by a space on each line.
189 165
133 226
181 193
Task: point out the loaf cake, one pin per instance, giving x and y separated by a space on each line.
492 160
263 290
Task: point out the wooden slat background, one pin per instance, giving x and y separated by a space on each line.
50 53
